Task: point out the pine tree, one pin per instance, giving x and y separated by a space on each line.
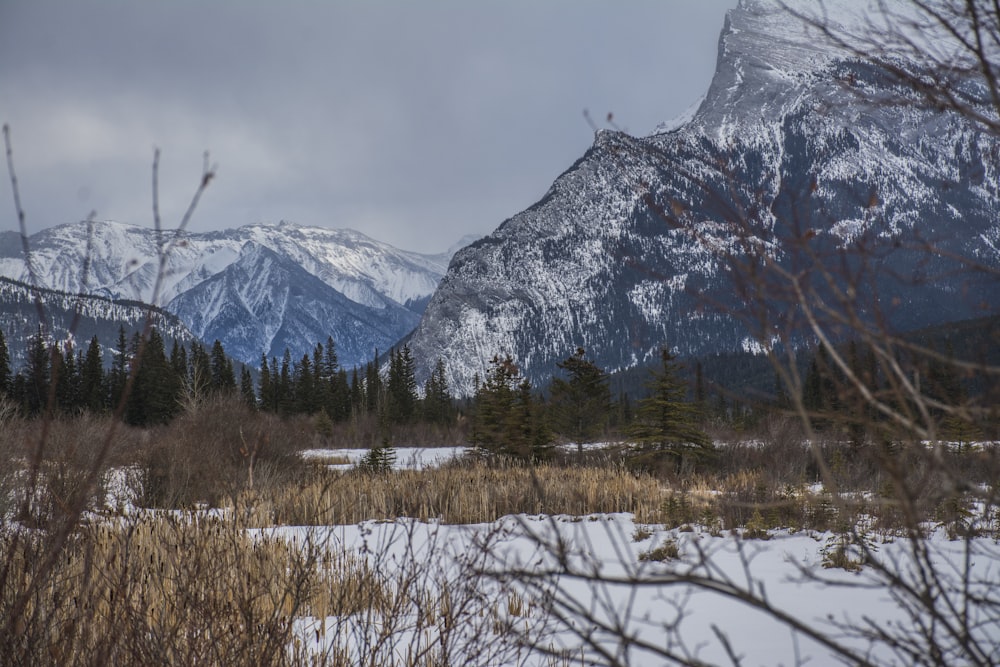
247 392
266 387
401 389
286 397
304 382
67 380
667 424
506 419
373 386
437 397
155 395
93 395
5 374
223 378
581 404
38 374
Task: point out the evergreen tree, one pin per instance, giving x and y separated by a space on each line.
247 392
506 420
437 397
494 401
379 460
223 378
286 398
155 394
67 380
38 375
358 402
527 437
819 391
267 401
304 379
199 375
339 405
401 389
373 386
93 396
666 424
330 363
581 404
5 374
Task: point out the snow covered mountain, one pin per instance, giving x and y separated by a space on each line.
629 248
247 286
265 302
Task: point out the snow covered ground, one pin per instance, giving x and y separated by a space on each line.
407 458
586 589
607 597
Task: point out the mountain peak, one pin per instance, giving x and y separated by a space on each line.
600 262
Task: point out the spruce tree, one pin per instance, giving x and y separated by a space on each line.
401 386
494 401
38 374
666 425
223 378
507 421
93 394
373 386
5 374
155 395
358 402
437 406
67 380
247 392
304 383
581 404
266 387
286 397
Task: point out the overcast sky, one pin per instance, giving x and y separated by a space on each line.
414 122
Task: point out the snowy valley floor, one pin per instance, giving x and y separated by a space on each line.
213 586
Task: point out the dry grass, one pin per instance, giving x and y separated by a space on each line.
459 494
180 590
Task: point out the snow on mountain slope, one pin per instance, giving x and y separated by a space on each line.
265 302
624 254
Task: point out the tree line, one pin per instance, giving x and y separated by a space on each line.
67 380
507 417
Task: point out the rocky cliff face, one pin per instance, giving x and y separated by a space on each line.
790 156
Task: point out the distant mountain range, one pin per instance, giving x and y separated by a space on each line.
629 249
258 289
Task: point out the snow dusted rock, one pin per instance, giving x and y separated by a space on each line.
621 256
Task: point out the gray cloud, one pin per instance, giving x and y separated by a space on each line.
414 122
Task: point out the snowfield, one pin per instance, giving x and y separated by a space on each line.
609 585
543 590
